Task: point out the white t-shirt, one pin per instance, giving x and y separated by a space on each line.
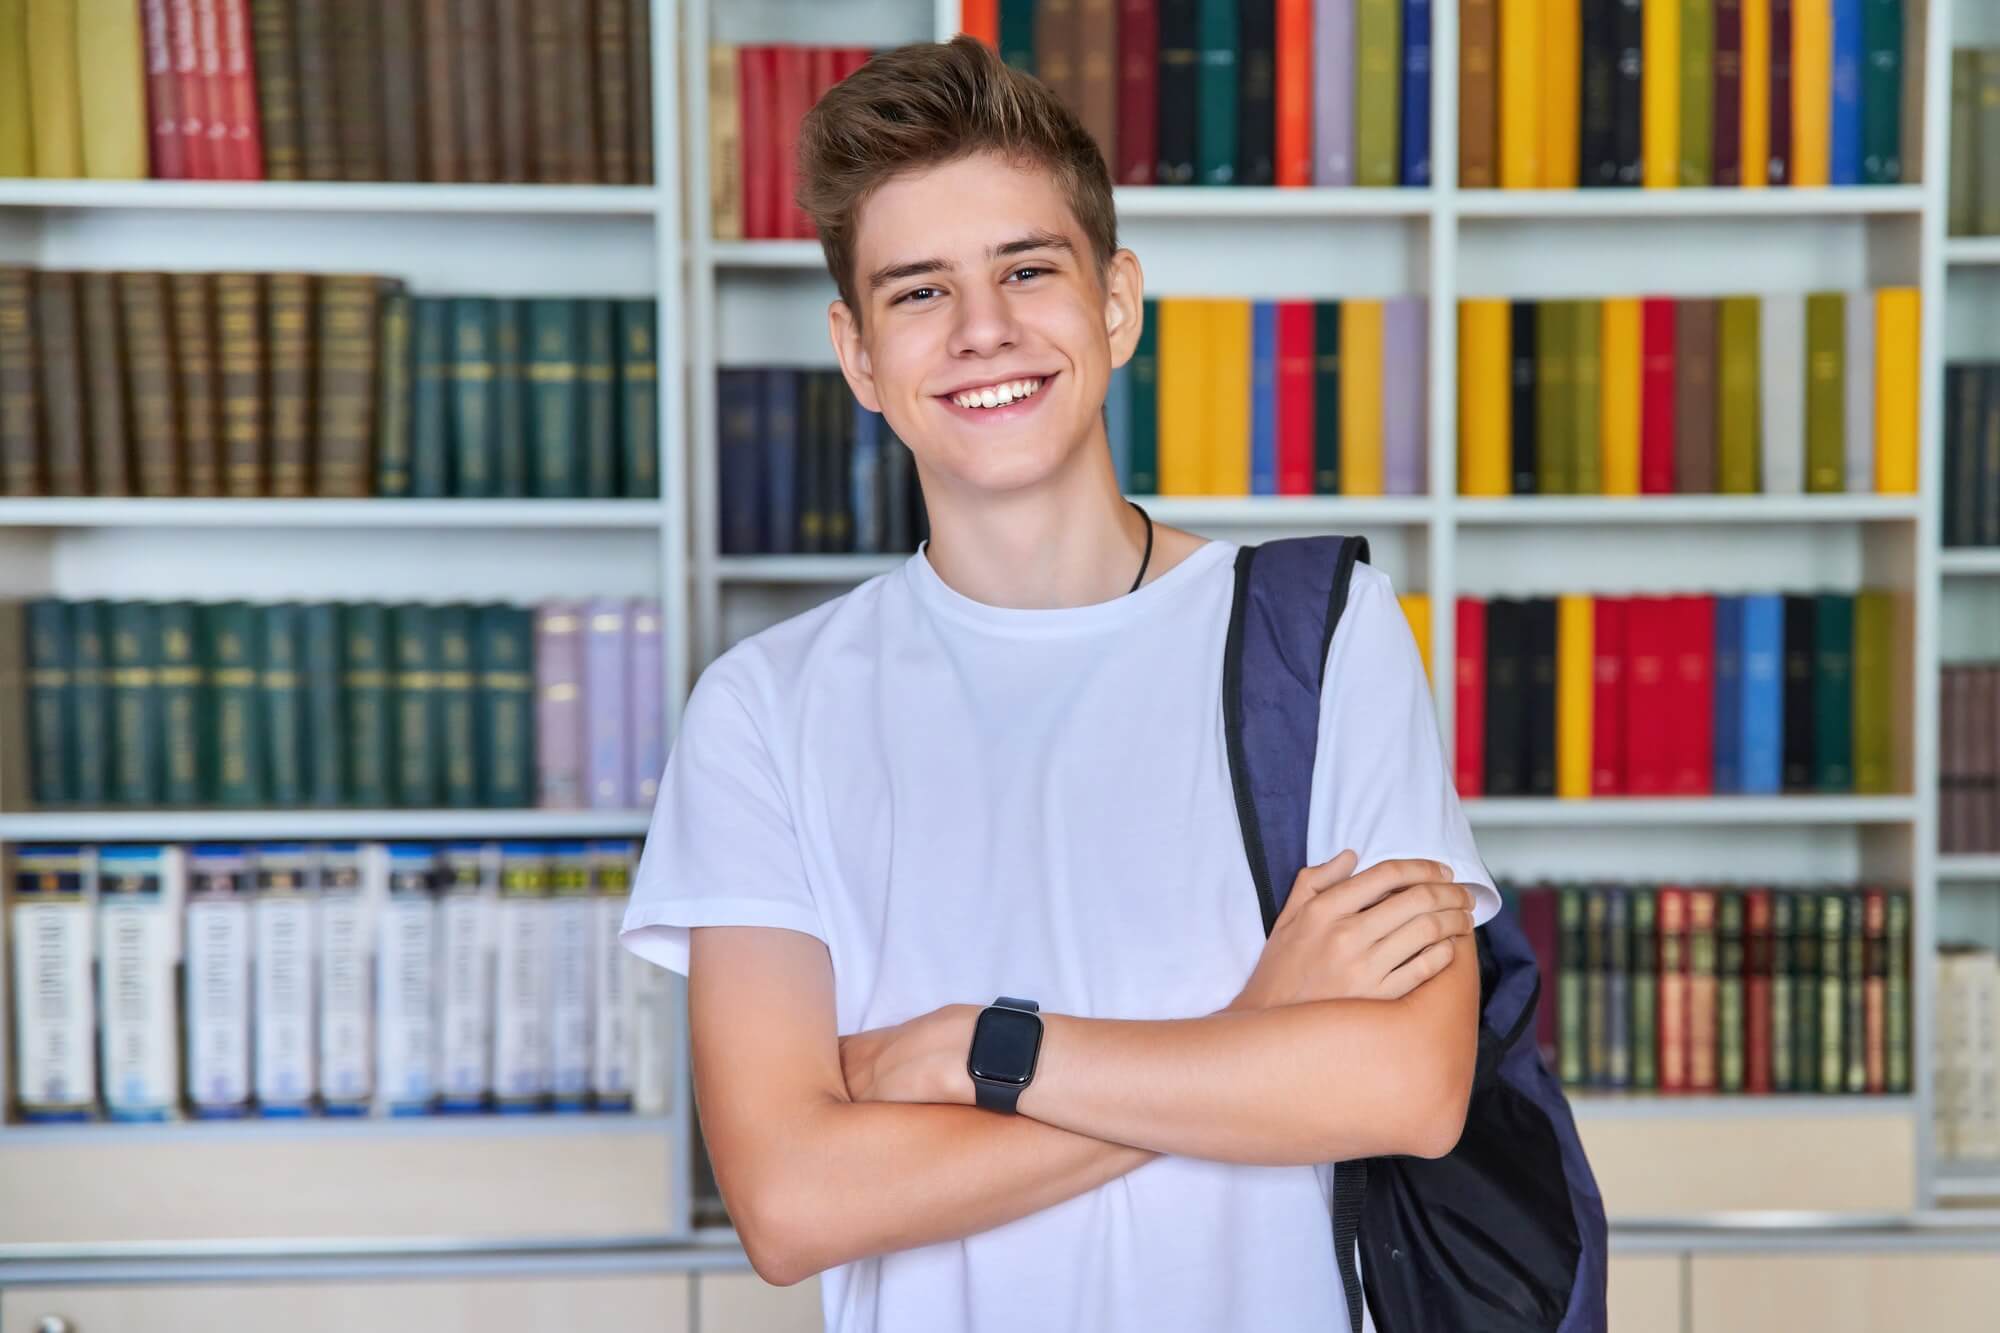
965 801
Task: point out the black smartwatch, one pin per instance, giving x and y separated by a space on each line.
1005 1042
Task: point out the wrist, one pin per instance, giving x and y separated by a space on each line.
955 1087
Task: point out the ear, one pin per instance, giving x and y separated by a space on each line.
845 331
1124 305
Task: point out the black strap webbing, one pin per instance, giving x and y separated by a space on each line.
1350 1183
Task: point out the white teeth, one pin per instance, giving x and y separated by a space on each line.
997 395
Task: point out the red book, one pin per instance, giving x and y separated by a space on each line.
1607 697
1295 397
756 71
1673 1023
1874 987
214 103
1469 708
981 19
847 59
190 97
1537 911
163 103
1648 643
239 81
1692 687
1757 990
795 94
1138 147
1295 92
1656 397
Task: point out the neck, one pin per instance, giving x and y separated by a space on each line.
1037 549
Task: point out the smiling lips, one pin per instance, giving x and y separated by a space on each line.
1002 394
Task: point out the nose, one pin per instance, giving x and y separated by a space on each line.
985 324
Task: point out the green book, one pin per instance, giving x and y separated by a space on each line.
1645 989
505 705
1854 958
282 685
1555 442
1737 404
1145 381
1832 992
1017 34
1618 987
511 470
1874 691
416 731
1826 392
1586 385
1986 170
90 721
431 393
1962 192
187 721
1833 692
367 697
1596 986
1896 992
1326 397
1805 991
554 413
392 397
234 720
1729 1041
325 741
638 399
1782 1077
452 687
597 370
473 399
1882 91
1697 92
1570 964
1215 92
135 705
51 701
1378 67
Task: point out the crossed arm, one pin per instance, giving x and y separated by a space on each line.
816 1175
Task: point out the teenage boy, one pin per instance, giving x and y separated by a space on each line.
999 771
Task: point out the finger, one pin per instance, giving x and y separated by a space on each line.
1428 963
1312 880
1419 933
1387 876
1386 909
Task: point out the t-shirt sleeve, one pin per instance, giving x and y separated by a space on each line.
721 849
1382 776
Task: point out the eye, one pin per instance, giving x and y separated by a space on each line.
1029 269
912 292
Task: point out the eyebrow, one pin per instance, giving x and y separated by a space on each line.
1034 240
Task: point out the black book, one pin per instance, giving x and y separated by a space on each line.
1798 770
1627 106
1986 432
1180 39
1779 169
1256 92
1957 492
1539 757
812 465
1523 425
1599 160
1506 702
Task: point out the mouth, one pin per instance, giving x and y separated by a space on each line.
1010 400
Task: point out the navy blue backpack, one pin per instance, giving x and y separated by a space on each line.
1504 1234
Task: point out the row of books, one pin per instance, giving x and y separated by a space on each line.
1773 394
216 981
1972 453
1965 1111
327 704
1248 92
1690 93
1972 195
1725 988
1681 695
337 385
757 97
1969 757
525 90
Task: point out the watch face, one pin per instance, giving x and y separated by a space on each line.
1004 1045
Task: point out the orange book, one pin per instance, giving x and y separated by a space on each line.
1562 93
1754 125
1360 398
981 19
1812 91
1521 95
1701 990
1897 340
1673 989
1295 92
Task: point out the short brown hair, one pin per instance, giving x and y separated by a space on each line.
927 104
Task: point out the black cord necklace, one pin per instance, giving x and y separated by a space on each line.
1148 559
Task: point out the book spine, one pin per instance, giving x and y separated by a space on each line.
163 112
645 711
51 924
405 989
275 47
289 303
443 152
506 703
505 88
606 661
474 398
401 72
242 119
195 364
138 916
1413 135
236 741
281 705
187 703
368 696
319 117
523 960
394 444
347 921
60 354
612 971
218 982
559 703
597 372
572 950
356 57
1703 997
1730 1017
415 694
281 952
349 331
612 93
239 308
453 683
325 730
466 904
1478 94
1726 114
90 680
20 387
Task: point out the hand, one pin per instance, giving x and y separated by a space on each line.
920 1060
1376 935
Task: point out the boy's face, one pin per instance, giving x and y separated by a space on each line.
972 276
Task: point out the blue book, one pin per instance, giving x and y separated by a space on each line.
781 462
1845 141
1263 398
1762 712
1118 425
739 450
864 479
1416 127
1728 694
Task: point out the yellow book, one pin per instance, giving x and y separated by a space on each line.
1521 95
1812 91
725 144
111 64
1226 450
1575 681
1660 121
1618 395
1417 610
1183 394
1562 91
17 150
54 107
1897 343
1754 138
1485 388
1360 397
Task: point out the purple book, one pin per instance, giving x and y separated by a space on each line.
559 705
605 700
1405 354
1333 92
646 684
